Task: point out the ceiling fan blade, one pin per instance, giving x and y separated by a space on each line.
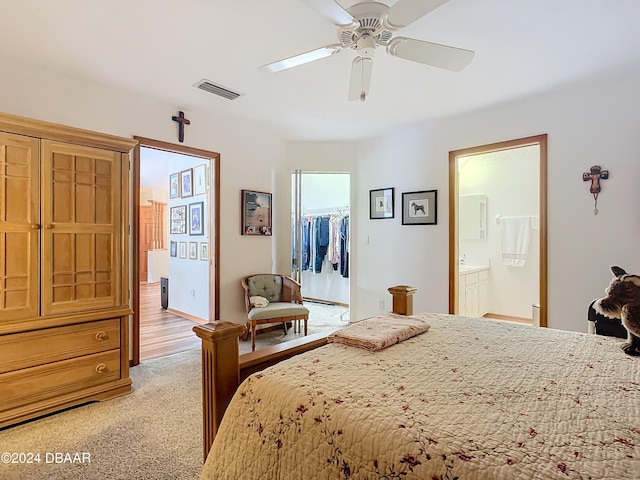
405 12
360 78
301 59
434 54
332 11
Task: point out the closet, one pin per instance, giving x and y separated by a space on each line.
320 235
64 294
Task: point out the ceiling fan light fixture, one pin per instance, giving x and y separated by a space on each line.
366 46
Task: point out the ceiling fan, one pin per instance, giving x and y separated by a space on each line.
367 25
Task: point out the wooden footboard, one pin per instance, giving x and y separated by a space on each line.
223 369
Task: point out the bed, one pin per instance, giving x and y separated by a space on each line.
469 399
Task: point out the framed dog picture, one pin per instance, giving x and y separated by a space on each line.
420 208
381 203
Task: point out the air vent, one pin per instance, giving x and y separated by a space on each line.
219 90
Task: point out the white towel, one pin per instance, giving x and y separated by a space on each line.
515 240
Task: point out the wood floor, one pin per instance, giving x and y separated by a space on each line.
162 333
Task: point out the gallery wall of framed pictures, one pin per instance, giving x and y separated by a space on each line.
418 208
188 218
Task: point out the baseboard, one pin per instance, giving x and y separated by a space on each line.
188 316
327 302
511 318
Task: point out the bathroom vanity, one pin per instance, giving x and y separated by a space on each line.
473 293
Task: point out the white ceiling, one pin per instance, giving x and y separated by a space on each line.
163 47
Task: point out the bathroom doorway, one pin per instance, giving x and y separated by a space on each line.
498 232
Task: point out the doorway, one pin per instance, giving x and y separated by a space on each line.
199 240
320 244
498 231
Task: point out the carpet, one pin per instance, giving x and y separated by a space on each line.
154 433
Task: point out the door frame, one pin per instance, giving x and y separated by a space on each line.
214 260
541 141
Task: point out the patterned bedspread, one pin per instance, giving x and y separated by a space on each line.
469 399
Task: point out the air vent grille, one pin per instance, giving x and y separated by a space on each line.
219 90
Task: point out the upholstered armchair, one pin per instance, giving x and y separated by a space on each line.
273 298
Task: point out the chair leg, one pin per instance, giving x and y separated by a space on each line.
305 326
284 327
253 336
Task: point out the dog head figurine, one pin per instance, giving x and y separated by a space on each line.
622 301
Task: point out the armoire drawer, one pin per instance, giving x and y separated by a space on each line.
38 347
35 384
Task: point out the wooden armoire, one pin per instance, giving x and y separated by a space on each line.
64 293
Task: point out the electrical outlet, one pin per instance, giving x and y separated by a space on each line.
193 293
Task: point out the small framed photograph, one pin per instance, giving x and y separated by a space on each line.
173 249
182 247
256 213
186 183
196 218
200 179
174 185
193 250
381 203
179 219
204 251
420 208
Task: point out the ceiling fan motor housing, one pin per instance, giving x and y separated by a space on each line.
370 31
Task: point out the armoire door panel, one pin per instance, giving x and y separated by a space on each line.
19 223
79 250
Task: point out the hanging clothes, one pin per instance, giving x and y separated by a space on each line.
322 242
344 246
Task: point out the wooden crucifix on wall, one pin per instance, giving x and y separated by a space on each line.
182 121
594 175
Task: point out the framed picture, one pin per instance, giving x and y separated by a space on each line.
420 208
200 179
179 219
193 250
173 249
174 185
381 203
182 249
186 183
256 213
196 218
204 251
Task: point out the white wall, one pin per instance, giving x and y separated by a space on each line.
188 278
592 123
55 97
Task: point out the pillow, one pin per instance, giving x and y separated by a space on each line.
258 302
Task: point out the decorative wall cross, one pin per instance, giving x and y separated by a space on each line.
181 123
594 176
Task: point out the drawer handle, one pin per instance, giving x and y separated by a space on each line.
101 368
101 336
